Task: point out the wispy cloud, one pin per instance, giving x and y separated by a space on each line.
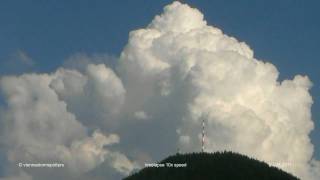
24 58
17 63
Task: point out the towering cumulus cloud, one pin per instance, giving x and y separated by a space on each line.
170 76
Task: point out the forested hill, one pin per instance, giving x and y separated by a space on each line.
211 166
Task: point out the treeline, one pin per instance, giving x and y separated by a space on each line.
212 166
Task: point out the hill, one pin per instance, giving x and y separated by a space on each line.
211 166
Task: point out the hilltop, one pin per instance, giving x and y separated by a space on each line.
212 166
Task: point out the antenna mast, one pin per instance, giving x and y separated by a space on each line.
203 134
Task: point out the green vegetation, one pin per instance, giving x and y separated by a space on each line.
212 166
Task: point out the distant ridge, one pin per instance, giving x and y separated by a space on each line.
212 166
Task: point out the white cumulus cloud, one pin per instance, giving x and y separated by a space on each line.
39 127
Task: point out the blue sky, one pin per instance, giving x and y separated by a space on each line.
285 33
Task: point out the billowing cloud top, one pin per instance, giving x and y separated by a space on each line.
171 75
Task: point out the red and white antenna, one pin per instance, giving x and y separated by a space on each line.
203 135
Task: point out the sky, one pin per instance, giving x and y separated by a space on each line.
41 36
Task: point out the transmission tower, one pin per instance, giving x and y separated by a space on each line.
203 135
